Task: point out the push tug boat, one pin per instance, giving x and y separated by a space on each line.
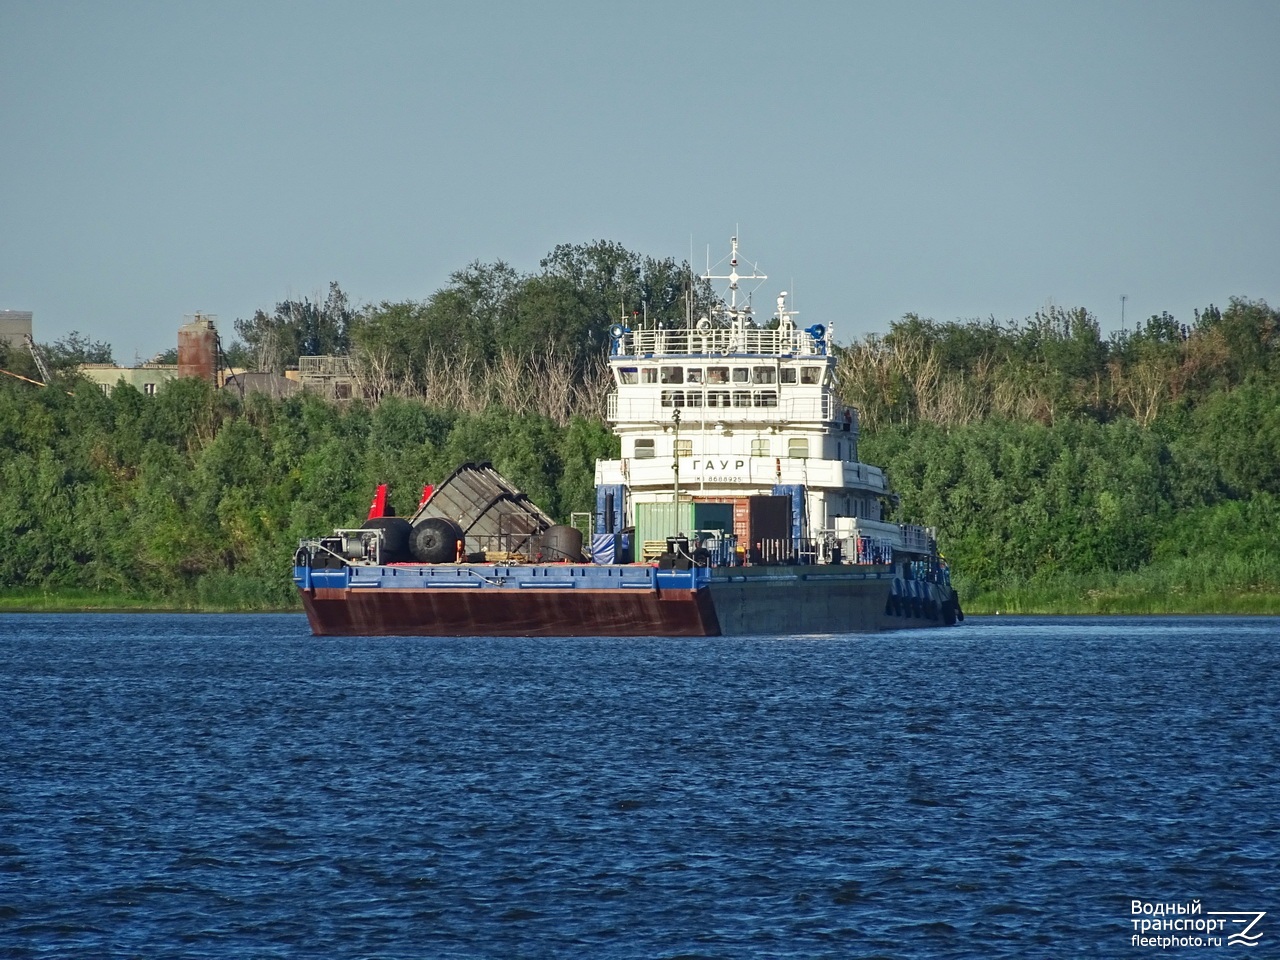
739 506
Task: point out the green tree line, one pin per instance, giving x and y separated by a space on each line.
1139 472
193 498
492 334
1064 470
1055 366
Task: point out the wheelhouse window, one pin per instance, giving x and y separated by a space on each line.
741 375
764 375
788 375
798 447
717 374
644 450
649 375
810 374
673 398
693 375
628 375
671 374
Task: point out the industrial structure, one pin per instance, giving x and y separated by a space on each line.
198 356
15 327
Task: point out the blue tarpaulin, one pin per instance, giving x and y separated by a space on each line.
610 507
602 548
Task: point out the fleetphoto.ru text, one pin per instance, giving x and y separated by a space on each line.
1164 925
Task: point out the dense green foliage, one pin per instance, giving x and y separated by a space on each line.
297 328
533 341
1065 471
1064 512
488 310
190 498
1055 366
1069 473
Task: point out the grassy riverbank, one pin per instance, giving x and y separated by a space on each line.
1233 586
93 601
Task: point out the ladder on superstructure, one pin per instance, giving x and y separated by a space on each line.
39 359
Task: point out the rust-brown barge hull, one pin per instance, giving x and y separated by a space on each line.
510 613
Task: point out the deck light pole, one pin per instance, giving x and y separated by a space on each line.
675 458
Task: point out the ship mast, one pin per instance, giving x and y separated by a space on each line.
738 316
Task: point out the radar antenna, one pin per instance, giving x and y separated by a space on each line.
785 323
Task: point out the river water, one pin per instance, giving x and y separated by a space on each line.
229 786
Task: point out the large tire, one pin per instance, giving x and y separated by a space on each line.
395 538
435 540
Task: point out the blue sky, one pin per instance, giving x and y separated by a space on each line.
956 160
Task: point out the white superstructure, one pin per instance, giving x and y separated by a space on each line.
726 409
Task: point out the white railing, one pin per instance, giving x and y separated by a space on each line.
904 536
915 539
324 366
749 341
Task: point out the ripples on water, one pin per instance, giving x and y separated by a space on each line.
233 787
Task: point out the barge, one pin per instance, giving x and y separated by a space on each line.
738 506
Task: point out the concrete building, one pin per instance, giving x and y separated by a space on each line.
145 379
197 357
15 327
331 377
272 384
